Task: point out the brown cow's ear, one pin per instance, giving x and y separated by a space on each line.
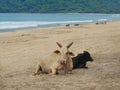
71 53
56 51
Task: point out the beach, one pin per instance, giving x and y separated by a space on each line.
21 50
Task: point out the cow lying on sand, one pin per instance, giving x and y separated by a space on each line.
59 59
81 60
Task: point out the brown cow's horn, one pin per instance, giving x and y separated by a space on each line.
68 46
59 44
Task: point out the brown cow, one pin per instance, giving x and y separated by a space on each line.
59 59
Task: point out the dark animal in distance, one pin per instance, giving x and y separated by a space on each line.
101 22
76 24
81 60
67 25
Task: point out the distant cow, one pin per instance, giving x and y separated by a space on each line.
81 60
104 22
76 24
59 59
67 25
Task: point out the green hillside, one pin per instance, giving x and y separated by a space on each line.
58 6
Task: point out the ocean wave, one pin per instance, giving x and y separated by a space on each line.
29 24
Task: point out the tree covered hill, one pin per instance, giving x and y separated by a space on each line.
60 6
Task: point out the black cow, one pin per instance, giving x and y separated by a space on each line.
81 60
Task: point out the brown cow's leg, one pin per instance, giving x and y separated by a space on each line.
54 71
37 72
69 66
70 72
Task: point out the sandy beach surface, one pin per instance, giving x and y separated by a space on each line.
20 51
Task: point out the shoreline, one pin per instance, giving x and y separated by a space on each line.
52 26
46 26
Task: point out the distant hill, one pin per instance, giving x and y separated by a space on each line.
60 6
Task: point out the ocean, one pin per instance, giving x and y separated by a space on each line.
17 21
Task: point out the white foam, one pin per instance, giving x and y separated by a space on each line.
102 19
116 15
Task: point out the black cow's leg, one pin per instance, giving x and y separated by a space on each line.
83 65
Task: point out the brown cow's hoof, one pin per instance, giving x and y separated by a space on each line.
70 72
36 74
52 74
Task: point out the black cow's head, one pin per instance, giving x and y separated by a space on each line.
87 56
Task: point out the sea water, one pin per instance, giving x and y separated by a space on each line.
15 21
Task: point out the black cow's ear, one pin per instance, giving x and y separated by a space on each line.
57 51
84 51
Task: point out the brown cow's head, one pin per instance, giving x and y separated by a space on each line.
64 52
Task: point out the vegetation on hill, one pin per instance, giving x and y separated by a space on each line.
58 6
